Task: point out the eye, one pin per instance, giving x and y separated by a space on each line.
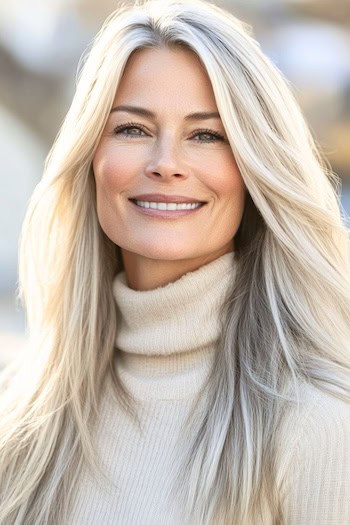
207 135
130 129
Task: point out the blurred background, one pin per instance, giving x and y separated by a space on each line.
40 45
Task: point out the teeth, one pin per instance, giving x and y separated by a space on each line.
168 205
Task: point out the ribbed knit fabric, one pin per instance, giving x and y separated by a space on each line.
166 344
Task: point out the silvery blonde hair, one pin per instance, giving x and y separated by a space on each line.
285 320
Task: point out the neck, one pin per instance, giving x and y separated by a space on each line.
166 337
144 273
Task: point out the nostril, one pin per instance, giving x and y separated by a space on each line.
158 174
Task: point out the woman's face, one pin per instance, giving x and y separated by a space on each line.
164 136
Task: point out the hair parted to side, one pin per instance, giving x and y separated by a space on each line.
286 319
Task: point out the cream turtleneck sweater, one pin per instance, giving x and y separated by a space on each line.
166 344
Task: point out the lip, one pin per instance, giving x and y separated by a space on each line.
164 214
160 197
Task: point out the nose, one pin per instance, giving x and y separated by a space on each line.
166 161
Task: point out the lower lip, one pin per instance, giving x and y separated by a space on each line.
166 214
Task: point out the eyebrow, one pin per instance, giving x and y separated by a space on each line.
143 112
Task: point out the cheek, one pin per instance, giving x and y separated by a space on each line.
231 190
232 184
225 179
109 171
236 189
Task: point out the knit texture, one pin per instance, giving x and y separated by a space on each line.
165 348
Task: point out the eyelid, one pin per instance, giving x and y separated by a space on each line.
126 125
219 136
216 134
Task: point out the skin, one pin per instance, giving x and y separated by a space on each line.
170 154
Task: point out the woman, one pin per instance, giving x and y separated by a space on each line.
189 364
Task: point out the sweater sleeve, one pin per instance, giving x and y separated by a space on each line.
315 488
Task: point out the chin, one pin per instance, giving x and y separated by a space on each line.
167 251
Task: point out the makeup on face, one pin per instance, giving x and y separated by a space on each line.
168 187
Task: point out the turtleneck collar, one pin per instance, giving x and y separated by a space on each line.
168 335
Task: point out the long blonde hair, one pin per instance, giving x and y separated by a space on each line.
286 319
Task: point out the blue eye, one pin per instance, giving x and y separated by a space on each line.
207 135
130 130
133 129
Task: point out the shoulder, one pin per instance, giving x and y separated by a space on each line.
318 420
316 411
314 459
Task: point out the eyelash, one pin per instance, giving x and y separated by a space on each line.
135 125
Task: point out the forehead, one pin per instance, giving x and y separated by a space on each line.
171 78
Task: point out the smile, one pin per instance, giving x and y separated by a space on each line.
168 205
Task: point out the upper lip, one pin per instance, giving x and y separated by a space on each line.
160 197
